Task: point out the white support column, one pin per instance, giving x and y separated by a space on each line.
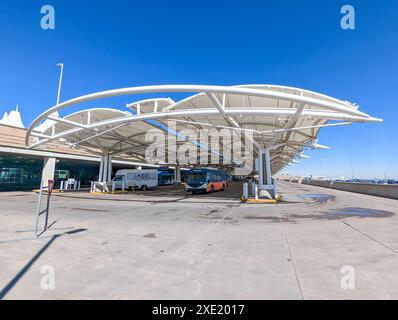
177 173
105 172
101 170
109 178
264 172
48 170
105 169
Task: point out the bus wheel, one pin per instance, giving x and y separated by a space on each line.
144 188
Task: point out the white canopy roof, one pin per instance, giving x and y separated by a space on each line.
282 119
12 119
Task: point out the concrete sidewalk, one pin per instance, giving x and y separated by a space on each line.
171 245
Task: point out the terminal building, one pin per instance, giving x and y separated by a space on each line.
21 168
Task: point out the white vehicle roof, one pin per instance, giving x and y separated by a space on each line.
135 170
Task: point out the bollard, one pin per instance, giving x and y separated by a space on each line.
253 191
256 191
245 191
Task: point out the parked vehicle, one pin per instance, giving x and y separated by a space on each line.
136 179
165 178
206 180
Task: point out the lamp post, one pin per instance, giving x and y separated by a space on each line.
61 65
323 167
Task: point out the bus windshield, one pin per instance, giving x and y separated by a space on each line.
196 178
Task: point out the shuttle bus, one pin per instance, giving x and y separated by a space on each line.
165 178
136 179
206 180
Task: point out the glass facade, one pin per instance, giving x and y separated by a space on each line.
83 171
23 172
19 172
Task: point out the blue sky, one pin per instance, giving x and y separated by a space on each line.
113 44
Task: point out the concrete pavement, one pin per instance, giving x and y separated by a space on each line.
171 245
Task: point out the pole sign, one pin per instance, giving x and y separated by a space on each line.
50 187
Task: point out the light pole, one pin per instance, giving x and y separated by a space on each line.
323 167
61 65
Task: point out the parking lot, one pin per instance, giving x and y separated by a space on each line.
167 244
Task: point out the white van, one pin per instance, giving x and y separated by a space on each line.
137 179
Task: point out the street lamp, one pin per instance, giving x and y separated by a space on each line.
61 65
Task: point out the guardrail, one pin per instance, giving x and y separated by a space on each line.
380 190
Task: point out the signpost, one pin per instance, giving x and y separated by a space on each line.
39 211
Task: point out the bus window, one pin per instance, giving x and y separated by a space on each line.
205 180
196 178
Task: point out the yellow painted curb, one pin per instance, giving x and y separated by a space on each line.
116 192
45 191
261 201
254 201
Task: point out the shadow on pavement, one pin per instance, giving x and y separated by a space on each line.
175 194
21 273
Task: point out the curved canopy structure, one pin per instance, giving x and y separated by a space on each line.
282 120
